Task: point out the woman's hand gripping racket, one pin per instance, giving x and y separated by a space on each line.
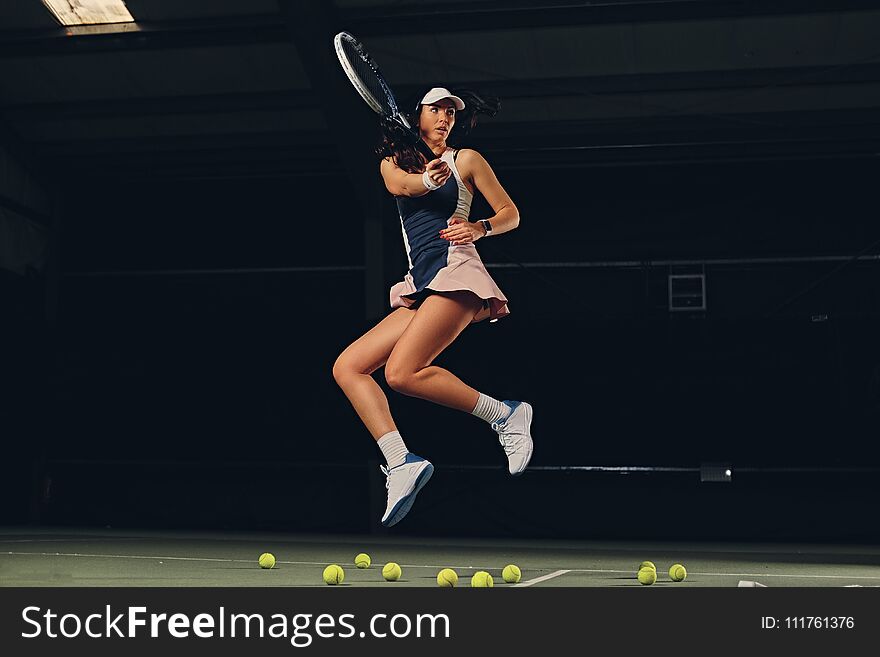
363 72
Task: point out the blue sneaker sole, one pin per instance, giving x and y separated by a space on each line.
405 503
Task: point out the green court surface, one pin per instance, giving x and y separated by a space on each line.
109 557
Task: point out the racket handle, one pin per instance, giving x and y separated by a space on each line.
424 150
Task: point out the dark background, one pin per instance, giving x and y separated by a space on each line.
218 234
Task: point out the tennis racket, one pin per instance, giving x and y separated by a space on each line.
364 75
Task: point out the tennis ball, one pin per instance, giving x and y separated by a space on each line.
391 572
362 560
334 575
511 574
482 579
447 578
648 564
647 576
267 560
677 573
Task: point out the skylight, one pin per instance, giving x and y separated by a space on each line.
89 12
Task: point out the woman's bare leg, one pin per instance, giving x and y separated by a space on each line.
437 322
355 365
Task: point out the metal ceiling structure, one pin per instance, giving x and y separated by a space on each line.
219 89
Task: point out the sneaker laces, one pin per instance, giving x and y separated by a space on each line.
508 442
387 473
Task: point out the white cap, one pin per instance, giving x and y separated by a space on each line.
439 93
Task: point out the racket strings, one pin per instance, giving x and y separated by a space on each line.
370 77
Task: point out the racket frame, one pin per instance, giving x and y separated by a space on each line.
374 103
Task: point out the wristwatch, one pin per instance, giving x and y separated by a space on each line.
486 225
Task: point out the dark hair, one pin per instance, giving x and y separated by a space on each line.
400 144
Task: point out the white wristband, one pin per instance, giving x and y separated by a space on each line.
429 184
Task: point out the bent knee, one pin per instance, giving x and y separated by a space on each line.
343 369
399 379
347 366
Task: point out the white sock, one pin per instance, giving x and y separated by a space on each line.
490 409
393 448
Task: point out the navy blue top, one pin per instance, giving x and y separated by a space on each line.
423 217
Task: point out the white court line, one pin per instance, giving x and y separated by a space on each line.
324 563
789 576
544 578
801 576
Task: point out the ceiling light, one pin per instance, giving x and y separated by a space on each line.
89 12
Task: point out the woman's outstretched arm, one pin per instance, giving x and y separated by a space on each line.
483 178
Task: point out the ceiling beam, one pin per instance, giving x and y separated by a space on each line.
557 145
147 35
161 105
506 89
386 20
546 157
428 18
842 124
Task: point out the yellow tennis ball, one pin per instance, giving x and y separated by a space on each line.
511 574
267 560
392 572
482 579
648 564
447 578
362 560
333 575
647 576
677 573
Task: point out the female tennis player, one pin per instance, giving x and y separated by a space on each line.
446 288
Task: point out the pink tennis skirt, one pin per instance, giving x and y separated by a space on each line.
464 270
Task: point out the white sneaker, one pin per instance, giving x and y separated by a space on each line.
403 483
515 435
